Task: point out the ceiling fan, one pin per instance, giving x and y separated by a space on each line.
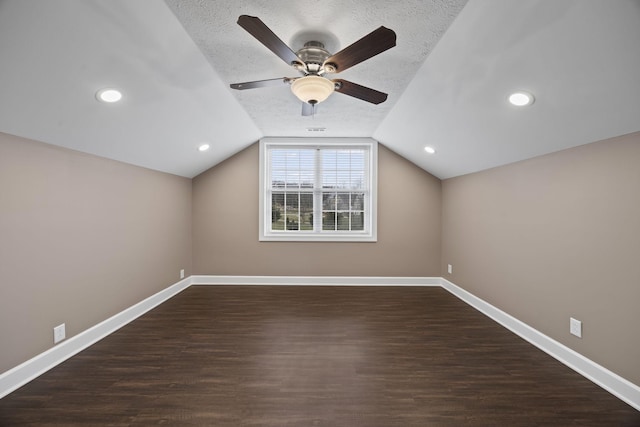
313 62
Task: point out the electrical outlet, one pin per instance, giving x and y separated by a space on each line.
575 327
450 269
59 333
182 273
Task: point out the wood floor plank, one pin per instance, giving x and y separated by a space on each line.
313 356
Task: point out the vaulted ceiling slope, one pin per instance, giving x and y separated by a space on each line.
448 78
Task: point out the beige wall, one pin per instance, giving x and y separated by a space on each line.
81 238
554 237
225 225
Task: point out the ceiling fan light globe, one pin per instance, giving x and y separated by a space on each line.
312 89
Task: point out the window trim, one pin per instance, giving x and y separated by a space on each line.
370 233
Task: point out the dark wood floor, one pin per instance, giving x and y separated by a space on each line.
313 356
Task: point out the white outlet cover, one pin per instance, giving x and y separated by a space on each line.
182 273
575 327
450 268
59 333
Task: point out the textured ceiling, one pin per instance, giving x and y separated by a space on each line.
447 78
238 57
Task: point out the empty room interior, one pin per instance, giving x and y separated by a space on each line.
338 213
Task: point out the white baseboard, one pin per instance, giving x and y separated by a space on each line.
38 365
613 383
316 280
20 375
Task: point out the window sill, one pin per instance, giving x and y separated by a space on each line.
308 237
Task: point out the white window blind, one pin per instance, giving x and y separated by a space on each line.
312 191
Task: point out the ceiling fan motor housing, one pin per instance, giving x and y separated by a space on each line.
314 55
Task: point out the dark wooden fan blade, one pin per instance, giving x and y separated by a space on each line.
367 47
307 109
260 31
361 92
262 83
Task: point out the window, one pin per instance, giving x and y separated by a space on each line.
318 189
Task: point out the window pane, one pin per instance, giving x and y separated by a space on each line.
292 202
343 201
306 211
277 208
306 202
292 221
357 201
329 201
328 220
357 221
292 211
343 221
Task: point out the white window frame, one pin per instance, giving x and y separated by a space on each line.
369 234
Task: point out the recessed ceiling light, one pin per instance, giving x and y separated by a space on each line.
204 147
521 99
430 150
109 95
